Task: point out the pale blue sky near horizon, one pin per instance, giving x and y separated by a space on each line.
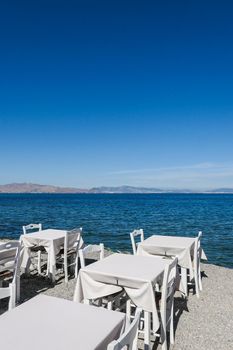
123 93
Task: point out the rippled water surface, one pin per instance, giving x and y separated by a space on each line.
109 218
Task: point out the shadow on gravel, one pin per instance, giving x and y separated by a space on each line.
32 285
180 305
203 274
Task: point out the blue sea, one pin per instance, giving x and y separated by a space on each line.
109 218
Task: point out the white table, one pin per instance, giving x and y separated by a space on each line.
46 322
181 247
51 239
137 275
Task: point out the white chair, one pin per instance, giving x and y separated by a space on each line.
10 262
133 236
129 337
196 267
31 227
167 303
72 244
38 250
83 255
89 249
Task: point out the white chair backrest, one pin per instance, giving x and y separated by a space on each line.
134 234
92 248
8 252
73 239
10 291
31 227
129 337
168 290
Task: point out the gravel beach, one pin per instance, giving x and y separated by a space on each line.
204 323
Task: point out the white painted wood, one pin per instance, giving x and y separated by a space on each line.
167 303
133 236
147 330
184 280
30 227
13 290
196 264
71 246
92 248
34 228
129 337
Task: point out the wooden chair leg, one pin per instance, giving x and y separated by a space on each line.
172 338
39 262
11 304
66 271
18 288
76 266
147 320
199 279
128 308
196 283
184 280
163 337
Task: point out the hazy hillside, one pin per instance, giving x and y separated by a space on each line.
36 188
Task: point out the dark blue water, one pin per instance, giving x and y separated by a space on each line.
109 218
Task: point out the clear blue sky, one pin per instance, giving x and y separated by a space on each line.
117 92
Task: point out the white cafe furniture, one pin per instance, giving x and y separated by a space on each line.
10 263
133 236
51 239
72 243
129 337
62 324
90 249
135 274
30 228
165 305
196 261
172 246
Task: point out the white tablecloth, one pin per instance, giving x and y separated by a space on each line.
56 324
52 240
182 247
136 274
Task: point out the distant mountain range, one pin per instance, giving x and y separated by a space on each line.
35 188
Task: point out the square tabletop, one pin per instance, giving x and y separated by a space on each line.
169 241
48 235
126 267
181 247
58 324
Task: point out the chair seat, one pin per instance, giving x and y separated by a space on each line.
69 252
37 249
5 273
